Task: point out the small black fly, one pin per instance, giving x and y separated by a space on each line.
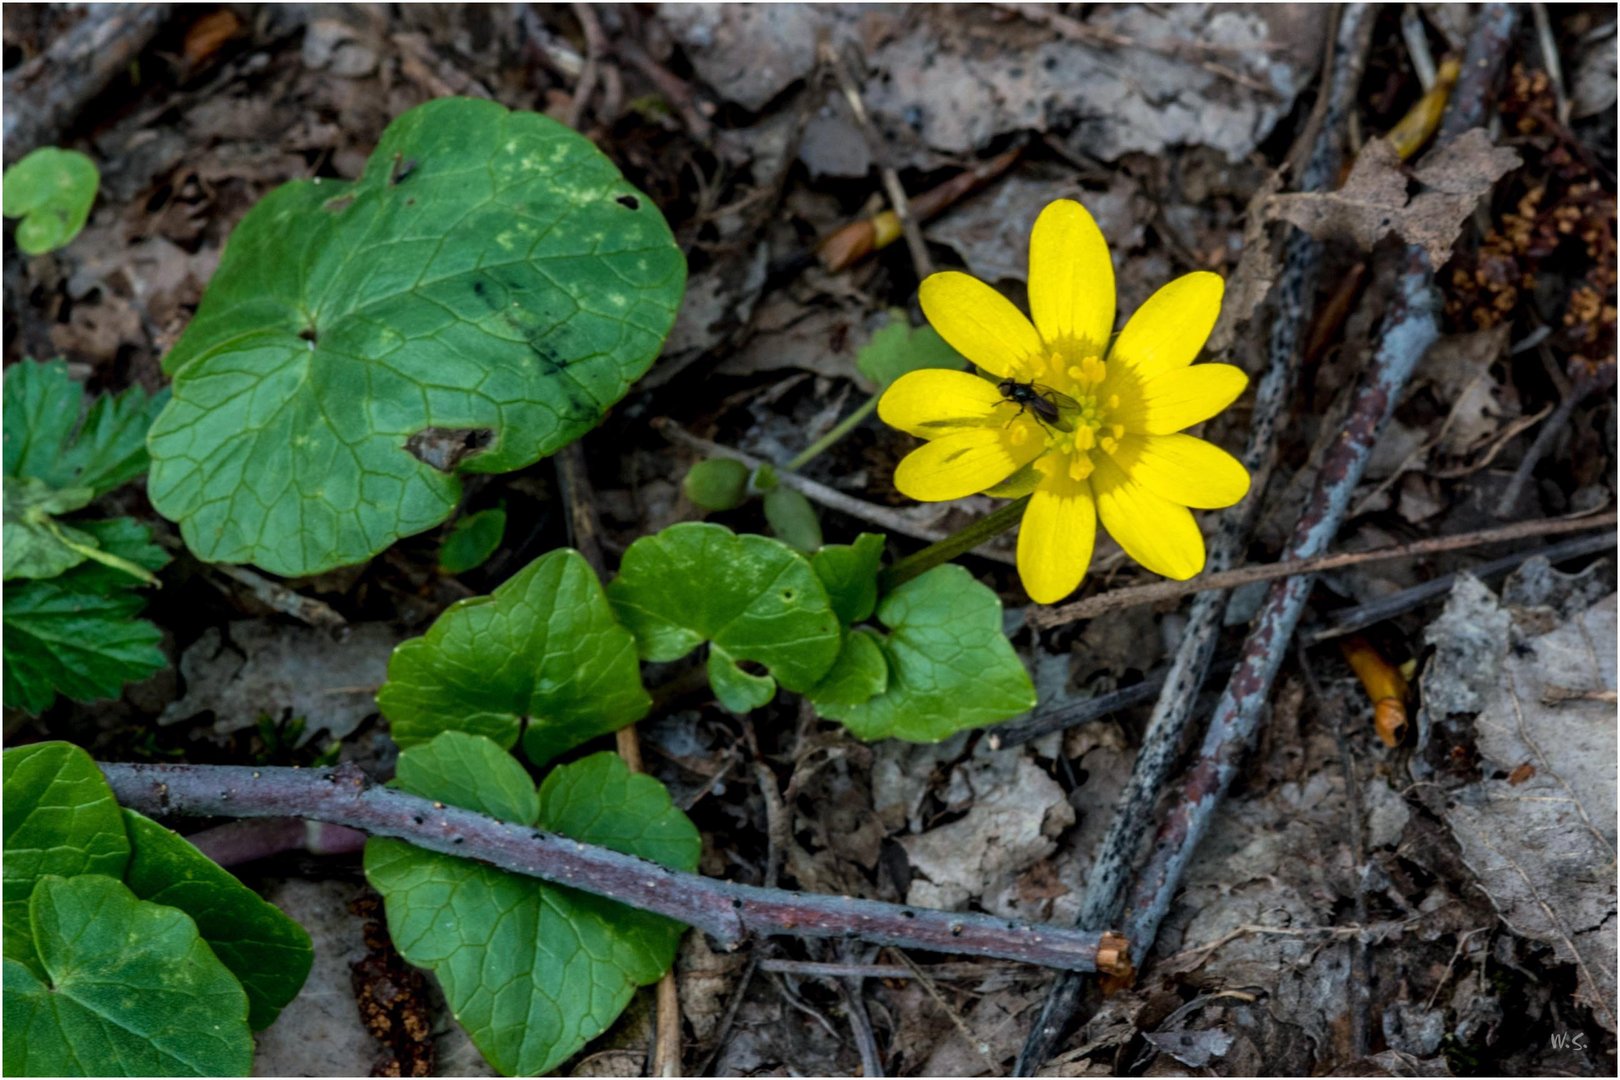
1042 402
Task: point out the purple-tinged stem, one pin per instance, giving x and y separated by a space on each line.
729 913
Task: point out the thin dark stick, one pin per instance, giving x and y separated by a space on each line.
1137 595
1409 327
819 970
722 1031
1332 625
1163 737
860 1024
1552 429
830 497
1349 620
921 264
729 913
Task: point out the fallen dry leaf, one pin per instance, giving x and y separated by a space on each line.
1373 203
1541 841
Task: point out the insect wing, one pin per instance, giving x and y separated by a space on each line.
1061 400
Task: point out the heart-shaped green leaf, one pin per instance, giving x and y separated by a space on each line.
897 349
532 971
76 633
950 665
542 656
52 191
60 818
860 672
753 598
125 988
850 572
268 953
472 540
474 302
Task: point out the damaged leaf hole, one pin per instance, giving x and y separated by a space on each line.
445 448
629 202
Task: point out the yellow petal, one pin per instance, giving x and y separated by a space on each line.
1071 279
1183 469
1166 333
932 402
978 322
1178 399
962 463
1056 537
1153 530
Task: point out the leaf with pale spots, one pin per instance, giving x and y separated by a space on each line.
475 301
533 971
60 818
950 666
268 952
124 987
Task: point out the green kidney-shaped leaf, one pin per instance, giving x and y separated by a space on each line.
268 953
950 665
860 672
533 971
126 988
472 303
753 598
542 656
897 349
472 540
470 771
76 633
52 191
850 572
60 818
51 437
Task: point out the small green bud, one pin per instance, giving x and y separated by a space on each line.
764 479
793 520
717 484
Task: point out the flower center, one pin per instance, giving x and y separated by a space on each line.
1086 414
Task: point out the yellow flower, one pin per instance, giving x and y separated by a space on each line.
1096 435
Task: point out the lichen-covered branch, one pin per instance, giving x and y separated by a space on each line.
729 913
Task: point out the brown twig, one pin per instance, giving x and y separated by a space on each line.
278 597
595 45
45 95
585 531
729 913
1361 971
1585 384
680 96
1074 29
819 970
829 497
921 263
1159 591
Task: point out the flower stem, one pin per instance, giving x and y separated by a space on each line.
958 543
839 430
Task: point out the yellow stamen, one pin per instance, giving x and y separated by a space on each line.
1080 468
1019 435
1109 444
1085 438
